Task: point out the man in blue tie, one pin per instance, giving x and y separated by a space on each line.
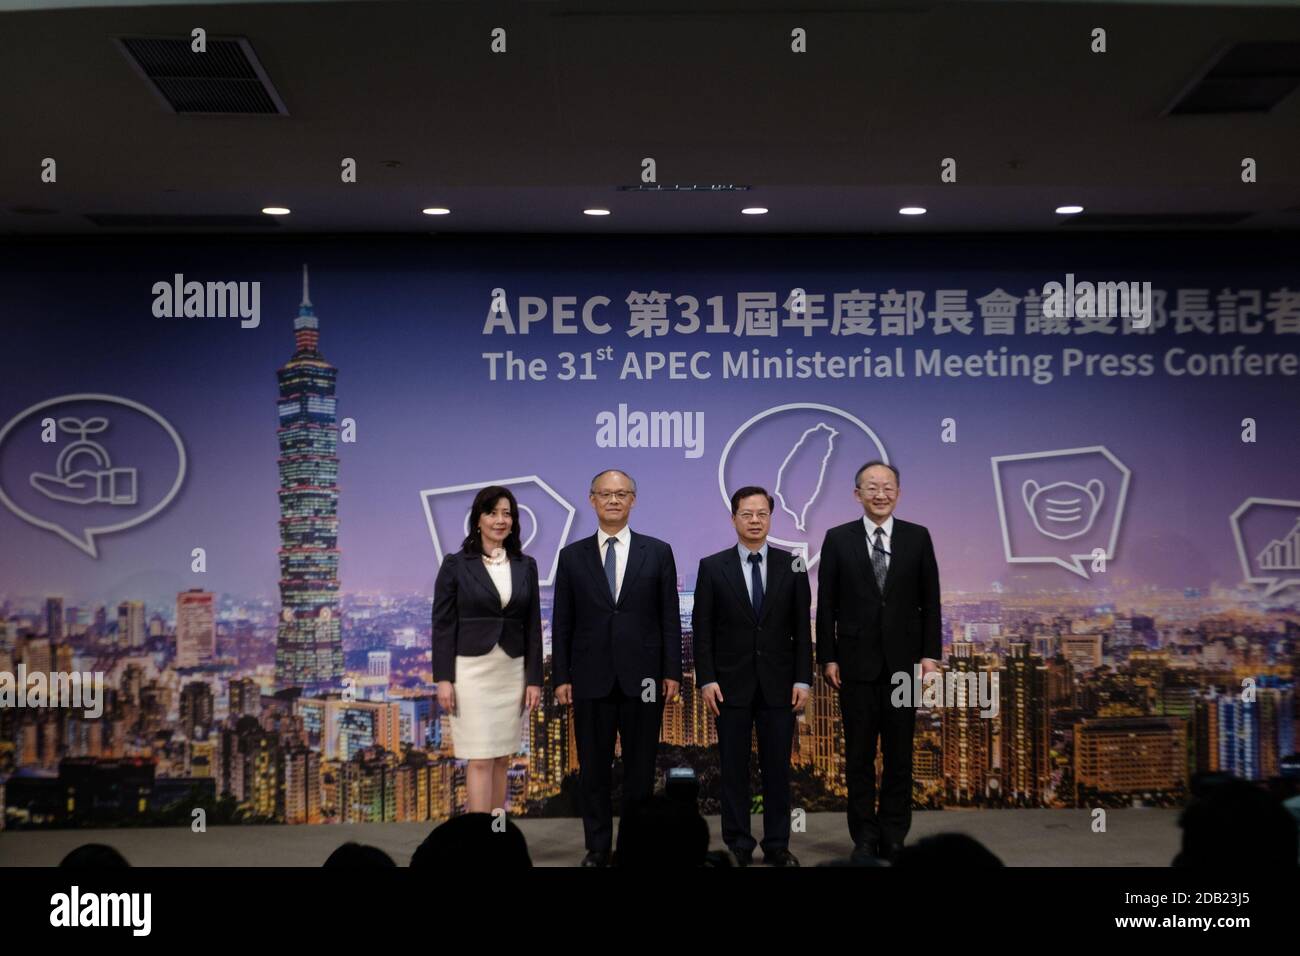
753 664
616 653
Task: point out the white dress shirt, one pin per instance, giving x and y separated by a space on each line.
624 537
500 574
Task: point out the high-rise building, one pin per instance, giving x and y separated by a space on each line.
302 789
245 698
196 627
309 646
1276 725
37 655
1206 729
130 624
548 742
368 787
967 736
1026 727
196 707
54 618
827 736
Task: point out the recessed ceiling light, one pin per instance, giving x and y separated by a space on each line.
595 212
754 211
912 211
436 211
1068 210
276 211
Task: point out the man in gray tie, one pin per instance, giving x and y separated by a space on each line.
616 653
877 616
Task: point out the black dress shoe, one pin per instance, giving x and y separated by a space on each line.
743 857
596 858
780 858
864 852
890 851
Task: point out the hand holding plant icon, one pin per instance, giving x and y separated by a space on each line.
84 472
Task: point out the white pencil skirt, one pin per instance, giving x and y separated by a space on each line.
489 694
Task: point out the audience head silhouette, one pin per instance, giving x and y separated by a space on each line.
474 840
1230 823
359 855
945 852
97 856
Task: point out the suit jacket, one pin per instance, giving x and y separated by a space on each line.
743 652
863 629
468 618
595 642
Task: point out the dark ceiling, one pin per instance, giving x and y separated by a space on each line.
834 140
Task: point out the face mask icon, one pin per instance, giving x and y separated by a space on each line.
1063 510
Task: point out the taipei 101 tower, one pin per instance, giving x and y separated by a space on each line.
308 645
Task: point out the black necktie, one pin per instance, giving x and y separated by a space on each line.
756 583
611 567
878 559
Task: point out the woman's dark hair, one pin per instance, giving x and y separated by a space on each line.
485 502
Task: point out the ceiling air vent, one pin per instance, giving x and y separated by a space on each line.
227 79
1248 78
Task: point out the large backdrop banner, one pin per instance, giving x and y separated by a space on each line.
229 471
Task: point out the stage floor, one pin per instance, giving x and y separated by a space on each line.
1133 837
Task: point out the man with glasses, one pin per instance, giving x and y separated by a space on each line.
753 665
616 654
877 617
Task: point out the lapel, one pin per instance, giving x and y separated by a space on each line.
592 551
778 566
862 554
895 553
479 572
736 578
517 581
635 559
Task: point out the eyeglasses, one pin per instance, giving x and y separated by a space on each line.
619 495
887 490
751 515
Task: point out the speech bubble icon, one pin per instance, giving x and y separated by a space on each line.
1267 534
549 515
1060 507
100 473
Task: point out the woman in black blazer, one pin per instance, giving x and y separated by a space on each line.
487 644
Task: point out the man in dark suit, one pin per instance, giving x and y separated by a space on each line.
753 666
877 617
616 643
